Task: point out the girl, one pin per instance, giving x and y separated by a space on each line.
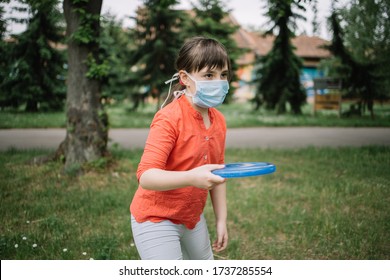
185 143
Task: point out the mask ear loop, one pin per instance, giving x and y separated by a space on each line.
174 78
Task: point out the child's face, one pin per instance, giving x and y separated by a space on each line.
204 74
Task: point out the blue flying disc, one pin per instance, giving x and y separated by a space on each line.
245 169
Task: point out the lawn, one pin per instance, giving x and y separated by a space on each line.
321 203
237 115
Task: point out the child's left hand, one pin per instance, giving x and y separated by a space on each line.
222 238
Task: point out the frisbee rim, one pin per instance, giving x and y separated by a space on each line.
245 169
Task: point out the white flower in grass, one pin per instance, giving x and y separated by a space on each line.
34 245
24 238
131 244
16 245
84 253
28 222
65 250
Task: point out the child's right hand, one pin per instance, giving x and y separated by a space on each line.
204 179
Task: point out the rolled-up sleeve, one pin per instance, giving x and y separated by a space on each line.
159 144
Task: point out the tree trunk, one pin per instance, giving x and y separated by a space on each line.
87 132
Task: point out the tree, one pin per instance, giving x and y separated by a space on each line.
115 48
357 76
35 66
3 21
4 62
158 40
87 123
279 71
366 29
210 20
314 22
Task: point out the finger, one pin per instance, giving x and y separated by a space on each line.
218 248
220 244
216 178
217 244
224 243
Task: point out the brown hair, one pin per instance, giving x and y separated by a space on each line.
196 54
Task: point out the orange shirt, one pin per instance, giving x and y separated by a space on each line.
178 141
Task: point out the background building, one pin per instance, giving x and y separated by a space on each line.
308 48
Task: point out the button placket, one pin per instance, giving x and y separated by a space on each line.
207 143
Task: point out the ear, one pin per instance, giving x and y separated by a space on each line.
184 79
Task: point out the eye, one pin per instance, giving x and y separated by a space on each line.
224 76
208 76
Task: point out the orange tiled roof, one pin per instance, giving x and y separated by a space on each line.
307 47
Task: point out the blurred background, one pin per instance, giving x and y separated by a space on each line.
352 48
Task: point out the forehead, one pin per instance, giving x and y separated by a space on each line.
214 69
210 57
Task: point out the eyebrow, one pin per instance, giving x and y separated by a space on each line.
213 71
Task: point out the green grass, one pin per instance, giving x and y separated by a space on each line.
31 120
237 115
321 203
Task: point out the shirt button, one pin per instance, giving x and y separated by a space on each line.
207 138
205 157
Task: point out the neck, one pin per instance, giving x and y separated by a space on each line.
202 111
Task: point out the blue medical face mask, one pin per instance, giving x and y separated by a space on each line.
209 93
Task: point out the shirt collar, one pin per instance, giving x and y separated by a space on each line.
188 108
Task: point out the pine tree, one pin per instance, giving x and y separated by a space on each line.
314 22
279 71
210 20
36 77
3 21
158 40
357 76
115 49
4 57
366 34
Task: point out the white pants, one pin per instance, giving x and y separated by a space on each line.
168 241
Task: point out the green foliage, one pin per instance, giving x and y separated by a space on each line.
86 33
116 46
315 23
4 58
366 29
3 20
358 77
278 75
157 38
95 70
34 67
361 46
210 21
